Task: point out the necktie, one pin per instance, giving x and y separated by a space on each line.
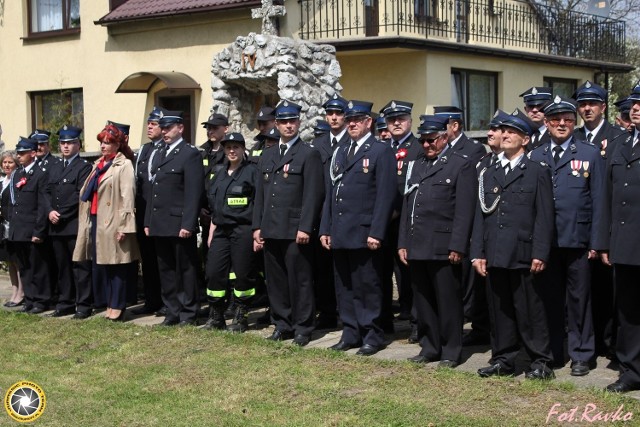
352 151
283 148
557 151
507 169
395 144
158 157
334 141
589 136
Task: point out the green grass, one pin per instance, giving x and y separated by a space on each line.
98 373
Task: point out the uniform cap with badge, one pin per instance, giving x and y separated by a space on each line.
335 103
635 93
216 119
233 137
590 92
432 123
381 123
26 144
286 110
448 111
169 118
69 133
265 114
519 121
121 127
537 95
396 108
498 117
560 105
155 114
41 136
624 105
357 108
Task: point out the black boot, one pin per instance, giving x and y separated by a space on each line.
240 321
230 311
216 318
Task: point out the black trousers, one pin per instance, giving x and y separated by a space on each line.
178 266
231 250
34 273
474 301
567 300
358 276
74 278
437 298
324 284
289 271
517 314
602 307
150 274
627 282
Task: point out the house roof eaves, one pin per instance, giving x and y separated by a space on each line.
423 44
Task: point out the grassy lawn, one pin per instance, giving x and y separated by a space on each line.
98 373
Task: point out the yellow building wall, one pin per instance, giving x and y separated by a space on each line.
98 60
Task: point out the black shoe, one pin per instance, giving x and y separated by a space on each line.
168 322
579 368
368 350
301 340
421 359
36 310
540 374
495 370
12 304
184 323
82 315
65 312
475 338
620 387
143 309
446 363
343 346
161 313
413 338
240 321
278 335
25 309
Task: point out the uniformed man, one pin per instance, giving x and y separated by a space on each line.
65 181
577 171
535 99
407 148
458 140
28 227
286 215
324 276
321 127
382 129
510 246
44 158
476 307
622 118
264 140
265 121
592 107
172 220
621 231
435 229
144 181
356 213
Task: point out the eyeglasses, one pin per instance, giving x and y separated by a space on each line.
429 140
556 122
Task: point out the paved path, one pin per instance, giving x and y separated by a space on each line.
398 348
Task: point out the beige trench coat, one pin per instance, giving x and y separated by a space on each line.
116 214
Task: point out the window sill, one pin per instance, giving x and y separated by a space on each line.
44 35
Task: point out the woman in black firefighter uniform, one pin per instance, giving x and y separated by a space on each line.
231 248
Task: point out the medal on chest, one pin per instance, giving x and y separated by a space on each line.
365 165
286 170
576 165
400 165
585 167
604 147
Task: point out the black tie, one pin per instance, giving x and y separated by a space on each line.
395 144
352 151
589 136
334 141
283 148
158 158
557 151
65 163
507 169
